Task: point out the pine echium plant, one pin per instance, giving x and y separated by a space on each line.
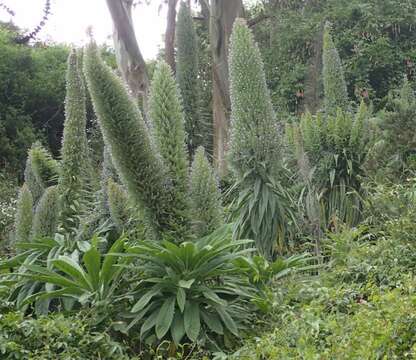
335 87
74 152
206 209
187 68
264 206
167 119
398 130
46 218
35 188
44 166
24 215
141 169
335 148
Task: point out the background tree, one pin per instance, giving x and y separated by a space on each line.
170 34
222 16
129 58
187 74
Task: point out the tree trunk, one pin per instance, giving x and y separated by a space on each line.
223 14
170 34
129 58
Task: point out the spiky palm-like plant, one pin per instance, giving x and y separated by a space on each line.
206 209
74 152
141 170
187 69
45 221
45 167
24 215
264 205
335 87
166 114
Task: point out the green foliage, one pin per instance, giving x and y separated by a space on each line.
335 88
108 173
123 214
192 289
74 151
45 169
375 40
361 306
264 206
206 208
90 282
397 125
118 204
187 74
264 212
254 143
46 218
31 103
165 111
263 274
31 181
336 148
24 215
126 136
8 200
378 327
55 337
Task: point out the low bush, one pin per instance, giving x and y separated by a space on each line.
54 337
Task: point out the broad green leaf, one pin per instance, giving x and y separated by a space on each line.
213 322
211 295
177 329
107 270
165 317
92 261
149 323
186 284
71 268
227 319
144 300
192 320
181 298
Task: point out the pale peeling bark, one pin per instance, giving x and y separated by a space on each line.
129 58
170 34
223 14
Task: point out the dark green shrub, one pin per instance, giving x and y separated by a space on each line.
54 337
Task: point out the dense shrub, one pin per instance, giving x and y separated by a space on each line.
8 192
54 337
